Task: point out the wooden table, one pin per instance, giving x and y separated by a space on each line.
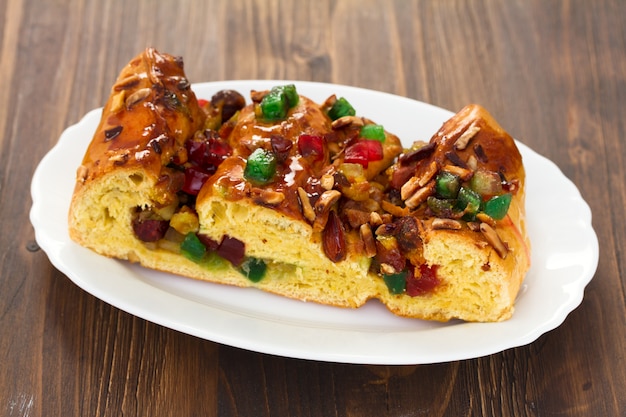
552 72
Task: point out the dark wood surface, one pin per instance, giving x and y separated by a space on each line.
552 72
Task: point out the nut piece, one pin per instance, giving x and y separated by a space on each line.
368 240
494 240
257 96
81 173
420 195
463 140
394 210
329 102
472 163
269 197
428 174
128 82
347 121
119 158
117 102
327 182
449 224
375 219
322 208
387 269
307 209
136 97
327 199
416 184
409 188
463 173
485 218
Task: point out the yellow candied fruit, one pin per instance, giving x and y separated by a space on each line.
185 221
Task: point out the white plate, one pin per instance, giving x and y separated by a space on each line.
564 259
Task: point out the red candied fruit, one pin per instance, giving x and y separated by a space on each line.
311 146
195 151
363 152
194 179
427 282
208 243
150 230
204 156
231 249
208 153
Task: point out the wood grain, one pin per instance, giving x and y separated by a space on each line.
553 73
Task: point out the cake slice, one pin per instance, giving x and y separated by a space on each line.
465 191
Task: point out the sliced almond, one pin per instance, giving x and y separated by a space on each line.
394 210
347 121
409 188
322 208
268 197
257 96
428 175
327 182
368 240
472 162
128 82
329 102
117 101
449 224
81 173
307 208
463 140
375 219
420 195
327 199
136 97
119 158
494 240
387 269
463 173
485 218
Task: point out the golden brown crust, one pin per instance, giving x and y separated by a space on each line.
150 113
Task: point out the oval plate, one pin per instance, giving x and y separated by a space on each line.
564 259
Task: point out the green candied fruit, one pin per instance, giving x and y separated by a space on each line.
192 248
468 201
447 185
341 108
261 167
374 132
291 93
276 104
497 207
442 207
253 268
396 283
212 261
